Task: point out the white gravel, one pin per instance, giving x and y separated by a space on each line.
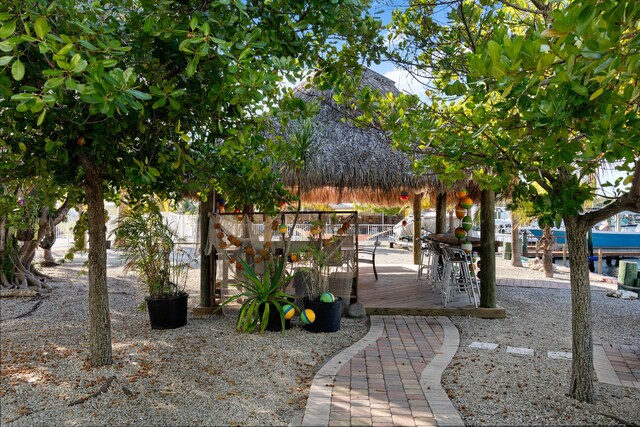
498 388
207 374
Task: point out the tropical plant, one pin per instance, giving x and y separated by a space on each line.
147 245
263 294
317 257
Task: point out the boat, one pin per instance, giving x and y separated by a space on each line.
622 239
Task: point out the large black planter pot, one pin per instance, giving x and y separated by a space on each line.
168 313
274 324
328 315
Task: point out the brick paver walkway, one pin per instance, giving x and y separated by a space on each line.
625 361
390 378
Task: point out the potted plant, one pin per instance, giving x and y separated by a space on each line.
147 245
327 308
265 300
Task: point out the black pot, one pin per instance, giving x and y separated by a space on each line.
328 315
168 313
274 324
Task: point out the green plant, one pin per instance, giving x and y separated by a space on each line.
263 293
146 244
317 257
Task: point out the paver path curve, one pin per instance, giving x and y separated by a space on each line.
391 377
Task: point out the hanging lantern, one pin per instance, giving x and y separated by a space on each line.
460 211
467 223
460 233
466 202
404 196
461 193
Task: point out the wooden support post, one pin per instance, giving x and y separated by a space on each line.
417 226
564 254
488 249
441 213
207 275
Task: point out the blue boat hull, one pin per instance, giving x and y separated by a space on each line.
601 239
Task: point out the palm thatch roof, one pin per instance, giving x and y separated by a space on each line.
356 163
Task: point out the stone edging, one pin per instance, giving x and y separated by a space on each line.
443 410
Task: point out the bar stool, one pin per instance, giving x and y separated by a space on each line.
425 257
458 277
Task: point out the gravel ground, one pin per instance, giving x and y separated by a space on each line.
207 374
202 374
498 388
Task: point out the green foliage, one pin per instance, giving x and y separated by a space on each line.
515 105
262 294
80 229
146 243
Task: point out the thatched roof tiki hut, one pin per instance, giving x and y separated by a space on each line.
357 163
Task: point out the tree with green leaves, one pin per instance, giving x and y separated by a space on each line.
143 95
543 92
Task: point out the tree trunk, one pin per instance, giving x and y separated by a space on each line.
547 251
488 249
99 320
49 260
582 363
516 258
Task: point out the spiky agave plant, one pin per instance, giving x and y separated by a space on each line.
263 294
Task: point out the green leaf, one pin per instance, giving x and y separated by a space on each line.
7 29
579 89
41 117
17 70
5 60
80 66
552 32
140 95
6 46
22 96
596 94
159 103
22 147
54 83
494 51
191 67
64 50
87 45
41 27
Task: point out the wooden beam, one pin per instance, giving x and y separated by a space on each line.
488 249
206 207
417 226
484 313
441 213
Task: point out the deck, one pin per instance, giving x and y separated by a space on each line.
398 292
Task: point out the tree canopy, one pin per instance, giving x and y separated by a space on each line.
152 97
527 95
